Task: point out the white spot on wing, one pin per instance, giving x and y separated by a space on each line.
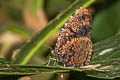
62 29
65 24
71 16
105 51
59 38
76 10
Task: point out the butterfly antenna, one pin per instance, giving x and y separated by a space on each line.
48 47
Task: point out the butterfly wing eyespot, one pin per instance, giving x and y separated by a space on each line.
74 46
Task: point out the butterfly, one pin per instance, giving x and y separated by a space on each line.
74 46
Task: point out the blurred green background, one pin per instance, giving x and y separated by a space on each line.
21 19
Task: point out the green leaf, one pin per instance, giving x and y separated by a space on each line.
12 69
105 63
107 53
36 42
106 23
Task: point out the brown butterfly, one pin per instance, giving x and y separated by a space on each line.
74 46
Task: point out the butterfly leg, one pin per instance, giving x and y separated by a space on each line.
56 62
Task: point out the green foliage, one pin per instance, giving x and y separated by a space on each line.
105 61
106 21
